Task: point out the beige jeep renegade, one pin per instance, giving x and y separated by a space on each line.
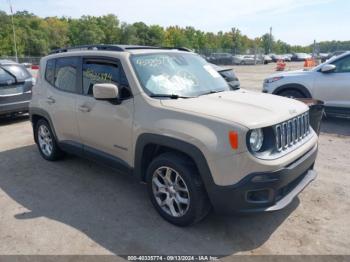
167 117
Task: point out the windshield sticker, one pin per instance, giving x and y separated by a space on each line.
98 77
211 71
152 61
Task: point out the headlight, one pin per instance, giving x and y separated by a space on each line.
273 79
256 139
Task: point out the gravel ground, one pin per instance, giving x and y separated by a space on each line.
78 207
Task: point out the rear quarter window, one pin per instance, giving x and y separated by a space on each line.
66 74
50 71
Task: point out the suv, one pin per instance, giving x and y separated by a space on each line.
167 117
328 82
15 88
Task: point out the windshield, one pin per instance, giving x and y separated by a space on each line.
177 74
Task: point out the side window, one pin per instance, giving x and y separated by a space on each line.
66 74
95 72
343 65
50 71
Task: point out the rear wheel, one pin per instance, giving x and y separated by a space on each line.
176 190
46 141
292 93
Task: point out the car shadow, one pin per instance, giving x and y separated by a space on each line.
338 126
114 210
4 120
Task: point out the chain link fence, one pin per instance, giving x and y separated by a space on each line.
28 59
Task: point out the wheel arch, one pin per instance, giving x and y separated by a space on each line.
298 87
35 115
148 143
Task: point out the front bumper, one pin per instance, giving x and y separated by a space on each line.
266 191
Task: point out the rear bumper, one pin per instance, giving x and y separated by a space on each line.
15 103
266 191
15 107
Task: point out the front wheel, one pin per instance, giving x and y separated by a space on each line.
291 93
176 190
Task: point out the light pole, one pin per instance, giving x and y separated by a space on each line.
14 31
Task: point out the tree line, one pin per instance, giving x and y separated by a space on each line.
36 36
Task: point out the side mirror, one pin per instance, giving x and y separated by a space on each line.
328 68
106 91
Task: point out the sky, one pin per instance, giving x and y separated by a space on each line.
297 22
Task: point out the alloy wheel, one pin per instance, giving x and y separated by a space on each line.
170 191
45 140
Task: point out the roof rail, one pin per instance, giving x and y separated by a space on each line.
117 48
88 47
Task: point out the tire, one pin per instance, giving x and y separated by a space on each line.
189 187
291 93
46 141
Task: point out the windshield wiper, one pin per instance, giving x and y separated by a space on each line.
172 96
211 92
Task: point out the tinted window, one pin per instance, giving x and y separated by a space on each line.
6 78
66 74
19 71
50 71
343 65
101 72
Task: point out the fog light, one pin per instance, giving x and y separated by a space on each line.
261 196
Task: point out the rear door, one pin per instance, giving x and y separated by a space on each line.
334 87
105 128
61 95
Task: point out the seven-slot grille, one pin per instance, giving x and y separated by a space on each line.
292 131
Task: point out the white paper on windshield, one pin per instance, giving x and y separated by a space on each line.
167 85
211 71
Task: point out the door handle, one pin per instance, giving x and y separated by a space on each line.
84 109
50 100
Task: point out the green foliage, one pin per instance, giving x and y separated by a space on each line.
37 36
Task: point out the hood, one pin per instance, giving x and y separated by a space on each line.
250 109
292 73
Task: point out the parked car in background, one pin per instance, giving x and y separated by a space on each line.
221 59
329 82
300 57
275 57
15 88
323 57
229 75
286 58
267 59
27 65
248 60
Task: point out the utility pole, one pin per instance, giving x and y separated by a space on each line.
314 51
14 31
270 45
